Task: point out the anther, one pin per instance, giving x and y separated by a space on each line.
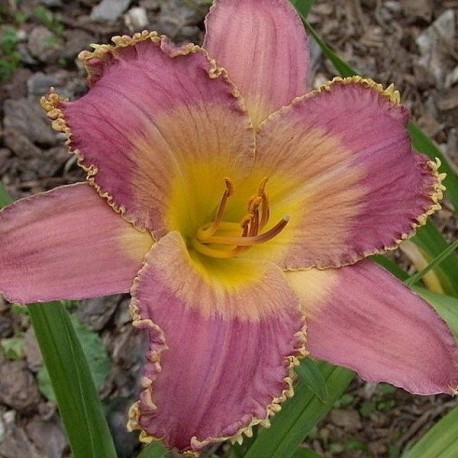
207 239
213 227
250 240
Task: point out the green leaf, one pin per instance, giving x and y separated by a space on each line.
13 347
445 306
431 241
303 6
71 378
154 450
433 264
440 441
305 453
341 66
45 384
72 382
311 375
96 356
5 198
298 416
391 266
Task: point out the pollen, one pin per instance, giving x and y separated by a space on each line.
224 239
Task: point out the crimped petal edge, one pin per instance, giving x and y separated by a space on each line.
435 192
154 358
52 102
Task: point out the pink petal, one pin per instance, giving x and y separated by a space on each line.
342 168
154 114
67 244
220 359
363 318
263 46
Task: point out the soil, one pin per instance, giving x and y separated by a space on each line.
412 43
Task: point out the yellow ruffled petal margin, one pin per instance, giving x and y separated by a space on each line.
52 102
154 358
436 191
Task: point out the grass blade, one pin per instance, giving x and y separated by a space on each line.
440 441
434 263
5 198
305 453
77 398
445 306
155 450
304 6
298 416
311 375
432 242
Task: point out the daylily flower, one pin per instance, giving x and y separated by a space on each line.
237 208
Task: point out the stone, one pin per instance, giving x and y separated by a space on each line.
418 9
52 3
17 142
432 44
17 86
39 83
28 117
96 312
75 41
109 10
15 443
45 45
5 155
6 327
136 19
18 389
47 436
32 350
346 418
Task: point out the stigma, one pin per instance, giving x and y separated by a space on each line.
237 237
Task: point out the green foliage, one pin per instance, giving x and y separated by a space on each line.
445 306
434 263
440 441
48 19
72 382
155 450
297 417
96 355
13 347
10 58
311 375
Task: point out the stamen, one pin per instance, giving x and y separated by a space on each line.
254 213
265 211
250 240
214 252
250 226
213 227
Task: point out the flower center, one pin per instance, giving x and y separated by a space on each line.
223 239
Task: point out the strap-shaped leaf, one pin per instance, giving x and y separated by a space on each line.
440 441
311 375
445 306
299 415
77 398
155 450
